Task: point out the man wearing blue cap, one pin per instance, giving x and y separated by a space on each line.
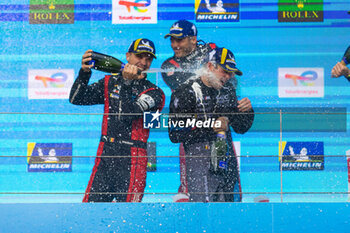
199 113
189 56
188 53
119 173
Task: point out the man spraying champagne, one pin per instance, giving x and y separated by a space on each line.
119 173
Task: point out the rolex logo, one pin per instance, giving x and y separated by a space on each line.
300 11
52 6
51 11
300 3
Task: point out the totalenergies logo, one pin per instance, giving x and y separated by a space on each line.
56 80
136 4
305 79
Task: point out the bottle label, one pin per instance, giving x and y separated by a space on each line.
92 62
221 135
223 165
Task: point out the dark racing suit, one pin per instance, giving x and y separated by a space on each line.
187 66
119 173
195 97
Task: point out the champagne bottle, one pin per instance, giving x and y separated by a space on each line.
105 63
221 146
219 152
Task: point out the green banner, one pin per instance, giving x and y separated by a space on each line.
300 10
51 11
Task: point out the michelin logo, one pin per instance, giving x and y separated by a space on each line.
49 157
217 11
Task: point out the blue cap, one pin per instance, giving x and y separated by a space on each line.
225 59
142 45
181 29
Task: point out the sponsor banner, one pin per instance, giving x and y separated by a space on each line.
302 156
300 82
300 10
135 12
49 157
50 84
51 11
217 10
